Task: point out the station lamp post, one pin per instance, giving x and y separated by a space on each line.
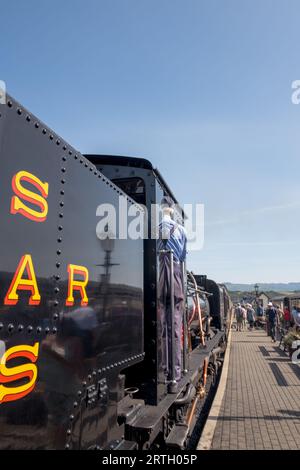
107 244
256 287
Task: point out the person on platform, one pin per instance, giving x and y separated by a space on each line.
250 316
271 315
260 311
287 317
280 315
239 315
172 237
296 316
244 323
259 315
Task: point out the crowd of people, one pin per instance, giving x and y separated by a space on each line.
273 318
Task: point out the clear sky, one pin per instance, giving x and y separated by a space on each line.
200 87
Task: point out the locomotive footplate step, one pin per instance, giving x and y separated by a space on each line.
126 445
128 409
177 436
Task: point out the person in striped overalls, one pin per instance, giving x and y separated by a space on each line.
172 236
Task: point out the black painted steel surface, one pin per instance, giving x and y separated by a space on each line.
73 333
79 349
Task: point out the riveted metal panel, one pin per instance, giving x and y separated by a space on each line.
27 145
115 270
149 377
79 347
107 334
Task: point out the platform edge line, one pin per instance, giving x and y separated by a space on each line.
208 432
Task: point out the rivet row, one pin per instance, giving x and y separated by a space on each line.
29 329
37 125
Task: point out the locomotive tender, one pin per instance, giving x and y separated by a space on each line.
80 336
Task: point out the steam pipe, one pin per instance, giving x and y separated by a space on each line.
185 358
199 310
187 397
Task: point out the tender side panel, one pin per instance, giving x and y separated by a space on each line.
24 413
59 361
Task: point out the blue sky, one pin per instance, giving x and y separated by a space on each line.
200 87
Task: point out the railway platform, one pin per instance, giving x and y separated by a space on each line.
257 404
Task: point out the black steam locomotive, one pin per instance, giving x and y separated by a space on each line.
80 336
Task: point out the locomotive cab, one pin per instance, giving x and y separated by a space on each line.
144 184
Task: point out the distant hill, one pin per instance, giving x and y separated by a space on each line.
273 286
